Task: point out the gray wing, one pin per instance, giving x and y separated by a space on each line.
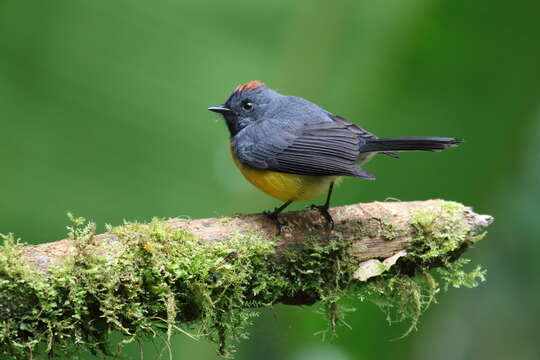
314 147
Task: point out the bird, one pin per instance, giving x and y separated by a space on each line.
294 150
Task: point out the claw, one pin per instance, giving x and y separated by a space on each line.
274 216
323 209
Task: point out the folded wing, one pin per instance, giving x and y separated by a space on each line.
317 148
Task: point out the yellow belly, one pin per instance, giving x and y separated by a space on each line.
285 187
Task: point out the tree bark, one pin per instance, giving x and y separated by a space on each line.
378 230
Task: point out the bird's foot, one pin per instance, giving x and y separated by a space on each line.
274 216
323 209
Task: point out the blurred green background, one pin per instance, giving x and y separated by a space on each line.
103 113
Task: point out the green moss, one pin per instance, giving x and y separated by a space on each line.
438 233
401 297
390 230
408 289
144 280
453 275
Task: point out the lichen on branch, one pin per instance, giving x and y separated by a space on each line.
207 277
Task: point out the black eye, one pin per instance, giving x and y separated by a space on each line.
246 105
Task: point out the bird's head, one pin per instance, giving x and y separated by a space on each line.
246 104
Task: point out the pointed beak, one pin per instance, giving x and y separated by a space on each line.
220 109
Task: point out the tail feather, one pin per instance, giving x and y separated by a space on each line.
409 143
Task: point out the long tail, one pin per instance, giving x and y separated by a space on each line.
409 143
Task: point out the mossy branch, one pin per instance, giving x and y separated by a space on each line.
205 277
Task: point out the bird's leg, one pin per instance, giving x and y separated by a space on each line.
323 209
274 216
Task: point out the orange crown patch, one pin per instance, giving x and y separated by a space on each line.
250 85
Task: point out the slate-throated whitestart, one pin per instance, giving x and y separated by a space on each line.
293 149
